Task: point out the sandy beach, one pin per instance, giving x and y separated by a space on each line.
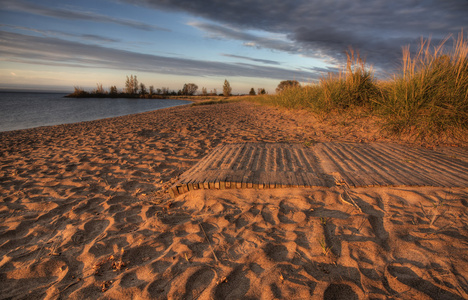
85 213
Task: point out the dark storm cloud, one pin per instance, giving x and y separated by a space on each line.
67 14
378 28
22 48
223 32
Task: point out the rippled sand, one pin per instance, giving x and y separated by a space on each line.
85 213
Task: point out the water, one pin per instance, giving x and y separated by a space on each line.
29 110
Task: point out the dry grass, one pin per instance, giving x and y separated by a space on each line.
323 245
429 98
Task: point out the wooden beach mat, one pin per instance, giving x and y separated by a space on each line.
255 165
280 165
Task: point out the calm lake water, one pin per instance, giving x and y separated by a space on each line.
29 110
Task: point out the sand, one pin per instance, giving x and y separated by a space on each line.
85 214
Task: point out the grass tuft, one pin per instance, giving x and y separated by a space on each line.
430 96
353 86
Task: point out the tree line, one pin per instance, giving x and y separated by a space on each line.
135 89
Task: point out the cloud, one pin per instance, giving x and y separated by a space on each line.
15 47
378 28
217 31
87 37
67 14
263 61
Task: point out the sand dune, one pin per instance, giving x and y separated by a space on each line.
85 213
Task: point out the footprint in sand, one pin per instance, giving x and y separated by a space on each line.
331 239
140 255
159 289
464 202
235 286
94 228
10 239
159 267
198 282
130 215
405 275
379 230
78 238
131 280
243 220
340 291
269 216
276 252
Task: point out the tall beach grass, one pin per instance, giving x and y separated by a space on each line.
429 95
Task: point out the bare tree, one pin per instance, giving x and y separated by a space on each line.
113 90
99 89
131 85
143 90
135 85
226 88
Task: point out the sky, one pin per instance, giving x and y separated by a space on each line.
59 44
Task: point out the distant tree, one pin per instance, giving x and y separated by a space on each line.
287 84
78 89
165 91
189 89
261 91
135 85
79 92
113 90
252 92
131 85
99 89
158 91
226 88
151 90
204 92
128 86
143 90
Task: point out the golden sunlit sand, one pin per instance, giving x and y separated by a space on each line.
86 214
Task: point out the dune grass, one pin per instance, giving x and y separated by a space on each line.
428 97
431 93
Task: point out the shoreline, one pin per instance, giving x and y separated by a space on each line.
101 118
86 214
